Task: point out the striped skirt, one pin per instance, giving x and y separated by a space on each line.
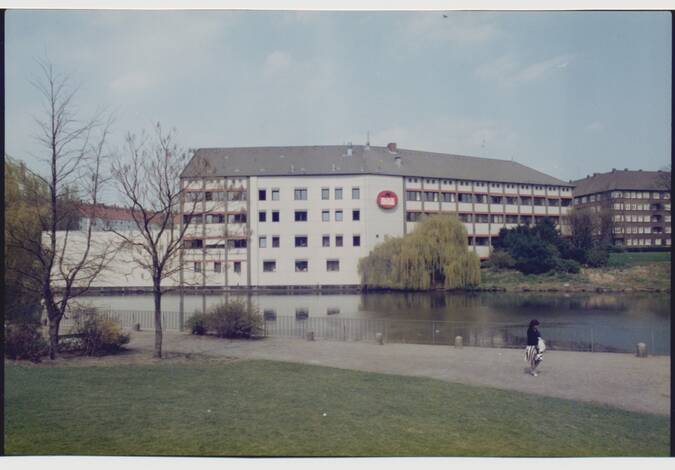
532 356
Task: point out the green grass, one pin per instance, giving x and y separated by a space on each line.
274 408
620 260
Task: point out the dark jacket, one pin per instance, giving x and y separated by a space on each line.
532 337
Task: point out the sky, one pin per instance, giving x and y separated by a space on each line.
567 93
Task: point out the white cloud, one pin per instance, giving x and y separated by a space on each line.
481 138
508 71
595 126
277 62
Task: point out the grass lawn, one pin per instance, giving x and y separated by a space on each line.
274 408
620 260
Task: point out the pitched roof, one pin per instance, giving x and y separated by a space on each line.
621 180
334 160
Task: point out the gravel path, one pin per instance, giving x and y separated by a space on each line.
620 380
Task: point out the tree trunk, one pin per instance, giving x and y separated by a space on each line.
158 320
54 323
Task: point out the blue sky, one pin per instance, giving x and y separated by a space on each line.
568 93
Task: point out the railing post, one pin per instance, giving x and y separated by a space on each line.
592 349
433 332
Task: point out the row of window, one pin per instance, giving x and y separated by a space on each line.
640 229
654 219
198 196
195 243
482 184
435 196
636 195
217 267
270 266
643 242
302 215
302 194
488 218
302 241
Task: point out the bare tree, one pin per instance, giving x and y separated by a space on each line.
75 151
149 180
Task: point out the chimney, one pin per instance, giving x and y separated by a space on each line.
625 169
350 150
397 160
391 146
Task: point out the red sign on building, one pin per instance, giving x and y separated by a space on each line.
387 199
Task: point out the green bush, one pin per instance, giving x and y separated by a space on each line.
228 320
568 266
597 256
501 259
96 335
24 341
198 323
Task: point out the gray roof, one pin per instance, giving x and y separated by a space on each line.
333 160
621 180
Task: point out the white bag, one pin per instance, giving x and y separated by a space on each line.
541 346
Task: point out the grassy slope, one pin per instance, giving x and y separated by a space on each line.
273 408
624 271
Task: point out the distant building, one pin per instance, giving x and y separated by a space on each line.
637 202
291 216
105 217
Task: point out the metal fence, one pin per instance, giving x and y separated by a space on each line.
558 336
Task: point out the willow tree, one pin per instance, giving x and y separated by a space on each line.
435 255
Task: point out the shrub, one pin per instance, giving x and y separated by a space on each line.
24 341
500 259
568 266
597 256
98 336
234 320
198 323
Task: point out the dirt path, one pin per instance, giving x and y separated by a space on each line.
619 380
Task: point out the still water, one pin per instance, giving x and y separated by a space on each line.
615 321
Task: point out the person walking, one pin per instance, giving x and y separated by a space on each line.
534 348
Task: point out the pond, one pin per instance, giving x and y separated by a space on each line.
601 322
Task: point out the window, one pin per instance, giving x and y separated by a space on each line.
237 243
269 314
332 265
466 218
480 198
325 216
511 219
412 216
193 219
269 266
194 196
301 216
356 240
197 243
275 216
481 218
412 195
208 196
338 240
448 197
462 197
332 311
497 219
301 241
239 218
495 199
217 267
300 194
262 242
262 195
198 266
525 201
275 194
237 267
325 194
338 216
356 193
338 193
275 242
215 218
236 196
430 196
301 313
538 201
301 266
262 216
325 241
356 214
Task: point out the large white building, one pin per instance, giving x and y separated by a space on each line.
303 216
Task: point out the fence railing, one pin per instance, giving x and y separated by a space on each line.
558 336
